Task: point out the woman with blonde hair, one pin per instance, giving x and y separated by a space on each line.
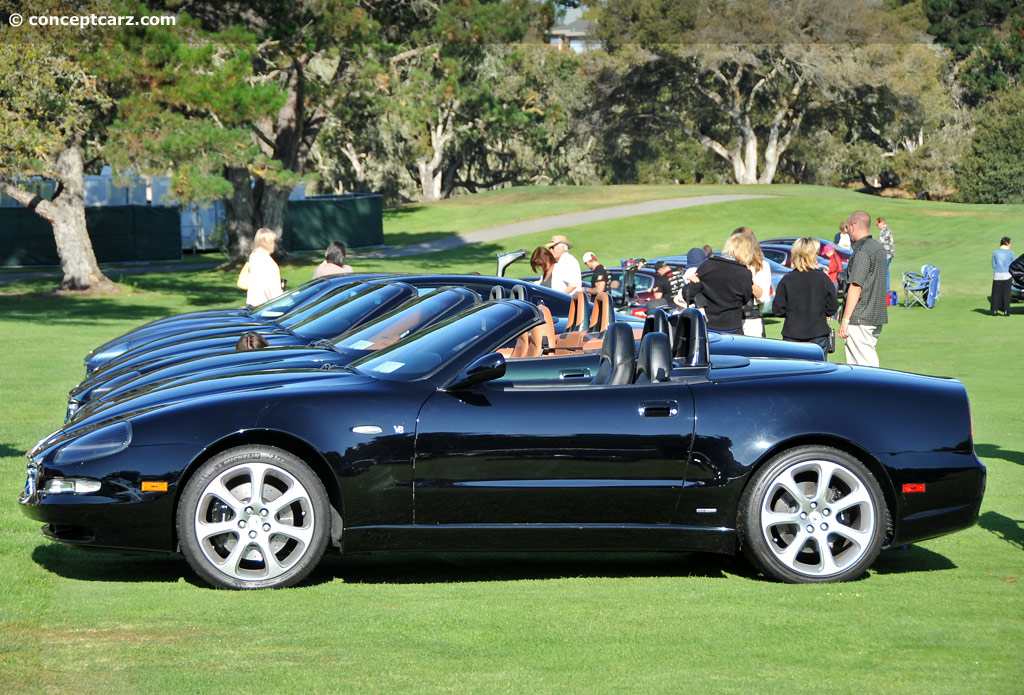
806 297
761 272
261 278
726 284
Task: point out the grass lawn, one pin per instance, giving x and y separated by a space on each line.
943 616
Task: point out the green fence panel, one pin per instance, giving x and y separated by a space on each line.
313 223
119 234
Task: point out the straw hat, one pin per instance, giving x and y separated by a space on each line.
559 239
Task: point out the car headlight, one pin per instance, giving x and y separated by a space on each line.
97 444
71 486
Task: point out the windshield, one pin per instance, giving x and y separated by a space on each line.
293 297
337 296
400 323
338 318
424 353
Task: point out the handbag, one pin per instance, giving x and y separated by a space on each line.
831 340
243 277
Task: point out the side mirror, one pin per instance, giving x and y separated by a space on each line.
486 368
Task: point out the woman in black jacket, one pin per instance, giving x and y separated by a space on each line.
806 297
726 285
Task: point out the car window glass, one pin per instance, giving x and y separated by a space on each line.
278 306
329 299
338 318
398 324
424 353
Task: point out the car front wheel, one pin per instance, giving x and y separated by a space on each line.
253 517
812 514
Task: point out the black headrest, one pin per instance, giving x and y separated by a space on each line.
690 344
618 359
658 321
655 360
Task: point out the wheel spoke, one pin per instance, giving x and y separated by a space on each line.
788 484
207 529
302 535
217 489
770 519
788 554
294 494
856 536
856 498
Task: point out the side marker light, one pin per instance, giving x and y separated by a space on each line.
909 488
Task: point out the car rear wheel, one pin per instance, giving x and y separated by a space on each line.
253 517
812 514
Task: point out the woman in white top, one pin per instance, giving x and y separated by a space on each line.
264 275
753 324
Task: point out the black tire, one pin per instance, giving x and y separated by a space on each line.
234 539
812 514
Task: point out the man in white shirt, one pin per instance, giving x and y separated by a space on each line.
566 276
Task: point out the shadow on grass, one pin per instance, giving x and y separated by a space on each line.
76 311
988 312
8 450
1009 530
907 559
423 568
202 289
994 451
91 566
404 568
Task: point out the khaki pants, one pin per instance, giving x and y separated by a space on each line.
860 346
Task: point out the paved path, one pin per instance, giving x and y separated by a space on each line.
546 224
539 224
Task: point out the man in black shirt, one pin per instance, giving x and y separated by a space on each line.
599 278
663 289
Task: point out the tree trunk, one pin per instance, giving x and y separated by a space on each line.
239 214
66 214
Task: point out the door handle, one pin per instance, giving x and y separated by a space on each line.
572 373
658 409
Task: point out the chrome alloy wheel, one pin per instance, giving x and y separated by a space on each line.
254 521
818 518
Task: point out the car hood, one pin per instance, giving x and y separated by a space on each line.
221 364
225 390
181 351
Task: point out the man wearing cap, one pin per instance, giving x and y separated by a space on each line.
663 290
599 277
566 276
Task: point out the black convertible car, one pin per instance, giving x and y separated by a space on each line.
448 440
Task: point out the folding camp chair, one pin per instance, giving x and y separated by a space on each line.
921 288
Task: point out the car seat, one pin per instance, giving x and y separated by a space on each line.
655 360
618 359
690 345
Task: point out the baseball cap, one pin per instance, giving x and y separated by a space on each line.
589 256
826 248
